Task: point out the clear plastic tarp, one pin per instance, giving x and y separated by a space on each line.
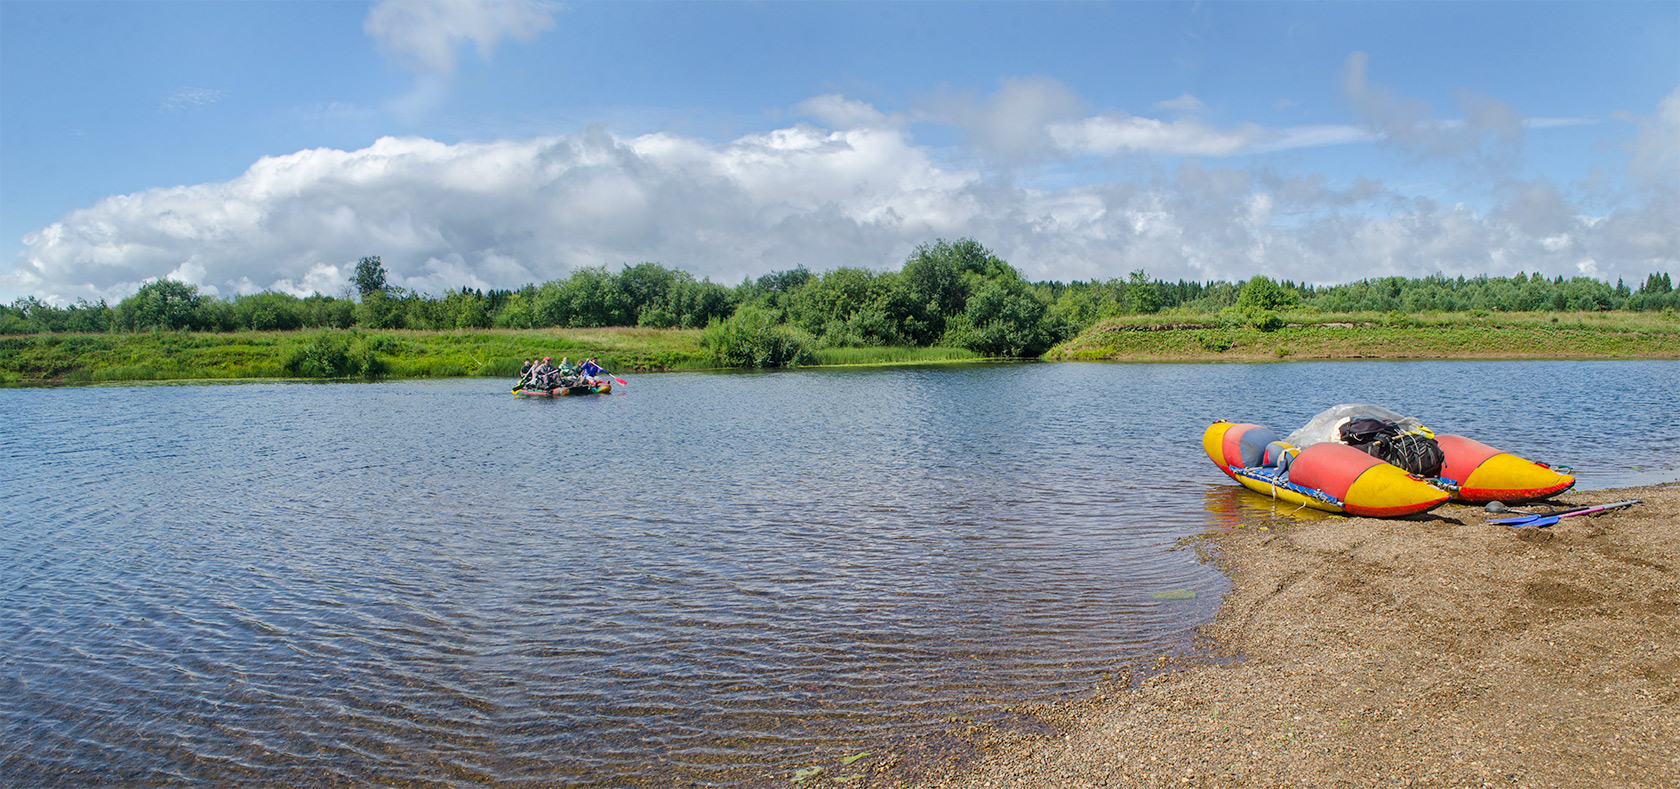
1328 424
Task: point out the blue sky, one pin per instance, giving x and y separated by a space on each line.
243 146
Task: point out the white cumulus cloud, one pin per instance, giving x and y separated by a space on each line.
503 214
857 192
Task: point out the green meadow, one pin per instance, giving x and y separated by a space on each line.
498 353
354 353
1363 335
335 353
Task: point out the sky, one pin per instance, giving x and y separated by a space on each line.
247 146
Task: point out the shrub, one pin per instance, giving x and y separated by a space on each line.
336 354
1266 320
380 311
756 337
1231 318
1004 318
1213 340
1261 293
160 304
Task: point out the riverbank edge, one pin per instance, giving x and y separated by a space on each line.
1438 650
493 353
1336 340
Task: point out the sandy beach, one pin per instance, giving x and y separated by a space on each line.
1434 651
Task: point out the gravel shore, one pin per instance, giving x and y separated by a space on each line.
1434 651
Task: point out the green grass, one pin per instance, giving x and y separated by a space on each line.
893 355
497 353
158 356
1293 336
492 353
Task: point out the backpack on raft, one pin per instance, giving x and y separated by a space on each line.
1417 454
1364 430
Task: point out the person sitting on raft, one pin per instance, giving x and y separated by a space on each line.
568 375
525 372
589 371
543 375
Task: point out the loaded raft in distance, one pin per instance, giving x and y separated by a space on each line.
543 379
1367 460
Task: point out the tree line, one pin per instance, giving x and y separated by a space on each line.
948 293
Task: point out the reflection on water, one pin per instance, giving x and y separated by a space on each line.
712 578
1232 506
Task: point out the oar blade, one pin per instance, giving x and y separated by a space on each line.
1547 520
1521 519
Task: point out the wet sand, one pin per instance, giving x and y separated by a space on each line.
1436 651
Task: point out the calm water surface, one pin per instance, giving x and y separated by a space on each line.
709 578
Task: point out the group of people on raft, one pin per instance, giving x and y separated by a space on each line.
544 375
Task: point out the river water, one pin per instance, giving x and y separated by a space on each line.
714 579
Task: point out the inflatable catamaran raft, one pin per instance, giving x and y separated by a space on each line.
1367 460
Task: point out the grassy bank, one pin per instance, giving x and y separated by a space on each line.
893 355
493 353
496 353
159 356
1536 335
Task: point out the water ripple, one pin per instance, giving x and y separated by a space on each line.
713 579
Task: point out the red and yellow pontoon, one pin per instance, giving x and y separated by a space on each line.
1312 468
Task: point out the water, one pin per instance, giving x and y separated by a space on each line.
707 578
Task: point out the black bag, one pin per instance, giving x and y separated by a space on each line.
1414 453
1364 430
1384 441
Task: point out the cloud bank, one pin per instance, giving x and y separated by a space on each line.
856 189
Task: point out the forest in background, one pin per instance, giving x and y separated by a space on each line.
954 294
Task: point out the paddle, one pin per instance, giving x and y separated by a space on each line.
1528 516
1547 520
1531 516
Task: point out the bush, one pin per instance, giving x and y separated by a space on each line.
380 311
1004 318
1266 320
266 311
161 304
1261 293
336 354
756 337
1213 340
1231 318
